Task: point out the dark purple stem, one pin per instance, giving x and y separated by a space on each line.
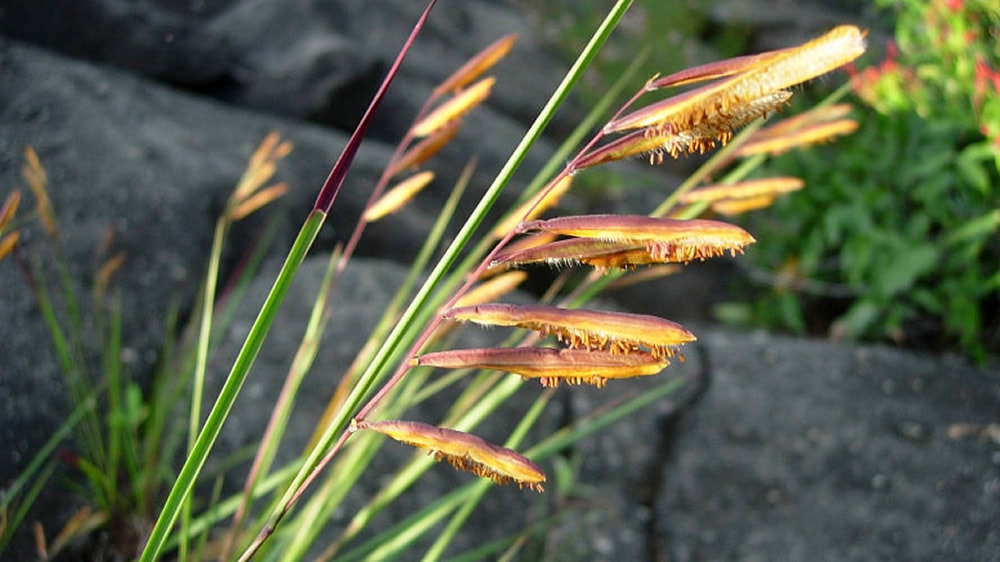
339 172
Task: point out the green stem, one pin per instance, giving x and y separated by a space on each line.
201 361
234 382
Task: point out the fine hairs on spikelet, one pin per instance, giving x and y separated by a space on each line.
659 140
615 332
665 240
550 366
790 67
463 451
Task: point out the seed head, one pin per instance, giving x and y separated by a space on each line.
463 451
455 108
615 332
550 366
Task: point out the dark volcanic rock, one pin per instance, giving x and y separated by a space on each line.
138 36
312 59
805 450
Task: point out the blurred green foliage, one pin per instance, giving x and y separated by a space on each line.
897 235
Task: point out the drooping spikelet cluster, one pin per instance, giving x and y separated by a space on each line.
746 88
592 347
600 345
460 93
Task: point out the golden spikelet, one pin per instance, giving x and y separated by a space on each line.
733 207
828 52
744 189
34 173
718 126
258 200
477 65
615 332
822 114
463 451
8 243
262 165
455 108
248 196
756 79
550 366
394 199
714 70
425 149
807 135
665 240
610 255
9 209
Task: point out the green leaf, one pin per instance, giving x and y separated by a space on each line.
902 270
980 226
928 300
971 164
734 313
791 313
859 319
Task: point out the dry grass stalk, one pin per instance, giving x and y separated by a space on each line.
103 278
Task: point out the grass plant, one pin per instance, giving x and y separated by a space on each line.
282 509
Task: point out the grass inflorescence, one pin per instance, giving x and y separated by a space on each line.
274 517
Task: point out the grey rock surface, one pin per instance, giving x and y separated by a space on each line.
808 450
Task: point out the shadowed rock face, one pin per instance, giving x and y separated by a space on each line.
144 114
